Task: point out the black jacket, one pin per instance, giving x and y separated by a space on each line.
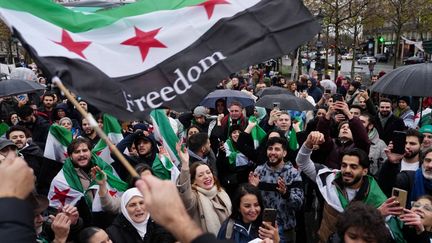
133 160
39 130
393 124
16 221
123 231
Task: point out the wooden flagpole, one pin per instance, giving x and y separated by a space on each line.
95 126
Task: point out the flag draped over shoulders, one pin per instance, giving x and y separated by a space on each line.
66 187
131 59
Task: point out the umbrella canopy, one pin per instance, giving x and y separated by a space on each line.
228 95
10 87
272 91
285 102
410 80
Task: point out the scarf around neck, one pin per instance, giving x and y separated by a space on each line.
215 208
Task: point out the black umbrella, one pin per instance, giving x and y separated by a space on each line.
272 91
285 102
410 80
10 87
229 96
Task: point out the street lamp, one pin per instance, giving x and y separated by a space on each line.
319 45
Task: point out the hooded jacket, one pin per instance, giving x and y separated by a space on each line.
134 160
314 91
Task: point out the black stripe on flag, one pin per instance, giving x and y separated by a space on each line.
269 29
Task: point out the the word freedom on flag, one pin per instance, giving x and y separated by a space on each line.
131 59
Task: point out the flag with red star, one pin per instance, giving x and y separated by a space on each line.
66 187
131 59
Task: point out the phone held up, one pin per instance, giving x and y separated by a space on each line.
401 196
269 215
399 139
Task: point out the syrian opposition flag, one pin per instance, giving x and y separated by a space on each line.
257 133
113 130
57 142
153 53
164 134
66 187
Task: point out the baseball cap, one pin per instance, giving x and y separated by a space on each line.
6 142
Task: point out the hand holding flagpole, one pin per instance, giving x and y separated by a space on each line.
95 126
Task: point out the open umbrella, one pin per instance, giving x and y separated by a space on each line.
285 102
272 91
228 95
10 87
410 80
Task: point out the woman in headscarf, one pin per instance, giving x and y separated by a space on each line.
206 202
134 225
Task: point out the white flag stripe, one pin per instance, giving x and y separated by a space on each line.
191 20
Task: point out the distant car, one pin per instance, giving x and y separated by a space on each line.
331 62
381 57
360 55
347 56
413 60
366 60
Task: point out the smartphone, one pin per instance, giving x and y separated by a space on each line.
399 140
269 215
276 105
337 97
401 196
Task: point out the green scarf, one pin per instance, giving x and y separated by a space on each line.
74 182
375 197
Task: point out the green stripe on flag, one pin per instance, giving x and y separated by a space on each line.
62 135
165 129
79 22
110 125
257 133
4 127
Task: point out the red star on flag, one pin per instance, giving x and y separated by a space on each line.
60 195
209 6
144 41
76 47
112 193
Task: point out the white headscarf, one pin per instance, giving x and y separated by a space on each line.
126 197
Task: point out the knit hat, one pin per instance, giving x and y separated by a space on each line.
426 129
200 111
404 98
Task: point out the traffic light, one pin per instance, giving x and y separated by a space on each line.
381 39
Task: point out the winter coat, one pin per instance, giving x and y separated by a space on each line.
336 147
133 160
239 231
39 131
16 221
123 231
393 124
376 152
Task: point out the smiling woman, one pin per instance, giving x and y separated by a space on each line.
206 202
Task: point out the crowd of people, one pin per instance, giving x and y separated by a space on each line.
360 162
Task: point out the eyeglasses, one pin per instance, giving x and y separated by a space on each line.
427 207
